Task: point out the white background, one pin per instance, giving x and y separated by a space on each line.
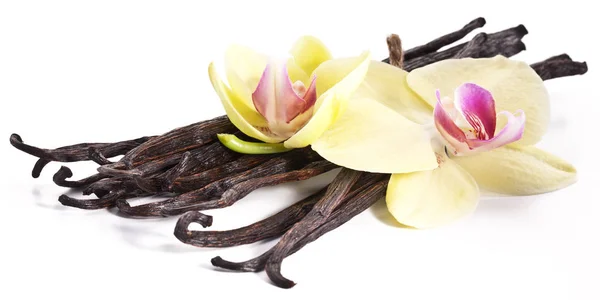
74 71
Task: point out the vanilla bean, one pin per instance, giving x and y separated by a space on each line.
199 158
359 200
181 229
195 181
176 171
256 264
287 162
147 168
191 162
210 157
77 152
240 190
227 192
270 227
105 201
473 47
210 196
39 166
111 184
506 42
60 178
96 156
352 207
335 195
179 140
560 57
109 191
149 184
244 188
442 41
559 66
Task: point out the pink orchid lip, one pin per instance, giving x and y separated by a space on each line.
277 99
475 107
478 107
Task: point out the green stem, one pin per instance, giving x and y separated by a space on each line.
234 143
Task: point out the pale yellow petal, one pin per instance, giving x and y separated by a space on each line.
513 84
227 99
319 122
519 170
371 137
331 104
245 110
432 198
296 73
336 73
387 84
309 52
244 67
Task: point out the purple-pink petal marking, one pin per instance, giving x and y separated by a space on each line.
289 104
310 97
275 97
264 94
478 107
512 132
446 126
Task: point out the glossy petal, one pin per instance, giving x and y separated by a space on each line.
227 99
309 52
296 73
371 137
387 84
275 98
244 68
477 106
513 84
331 74
332 103
432 198
519 170
250 115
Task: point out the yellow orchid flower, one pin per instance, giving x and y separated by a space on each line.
291 101
440 150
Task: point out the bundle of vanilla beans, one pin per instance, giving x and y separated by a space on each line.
191 166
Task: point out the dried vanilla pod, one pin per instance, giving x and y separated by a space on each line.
198 173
